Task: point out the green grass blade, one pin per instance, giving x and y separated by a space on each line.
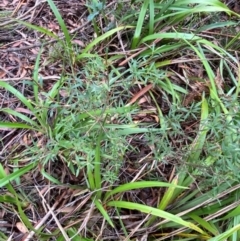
225 235
209 70
162 49
90 177
183 36
232 41
216 25
5 181
155 212
137 185
206 225
183 180
151 17
198 143
11 177
211 76
139 26
38 28
3 237
215 3
55 89
199 199
18 95
101 38
165 7
233 213
8 185
21 116
15 125
110 111
166 199
72 235
50 178
24 100
136 130
103 212
97 167
62 24
9 199
35 77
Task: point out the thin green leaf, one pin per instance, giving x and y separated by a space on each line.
21 116
103 212
206 225
62 24
101 38
211 76
110 111
72 235
232 41
5 180
15 125
225 235
184 36
233 213
8 185
139 26
12 200
97 167
216 25
35 77
55 89
18 95
140 184
90 177
151 17
50 178
215 3
136 130
37 28
155 212
198 143
166 199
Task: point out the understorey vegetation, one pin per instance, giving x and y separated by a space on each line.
119 120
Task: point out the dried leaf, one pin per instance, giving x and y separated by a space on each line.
24 72
2 74
23 110
67 209
156 118
79 42
17 44
142 100
219 82
63 93
21 227
140 93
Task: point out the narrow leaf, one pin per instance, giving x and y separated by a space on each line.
156 212
18 95
137 185
103 212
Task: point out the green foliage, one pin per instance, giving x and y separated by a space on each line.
155 17
86 123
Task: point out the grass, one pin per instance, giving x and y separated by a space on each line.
138 137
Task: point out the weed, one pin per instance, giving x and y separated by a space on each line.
105 147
